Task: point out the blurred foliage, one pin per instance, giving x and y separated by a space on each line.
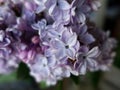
117 58
7 78
23 72
76 79
95 79
43 85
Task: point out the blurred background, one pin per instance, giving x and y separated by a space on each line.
107 18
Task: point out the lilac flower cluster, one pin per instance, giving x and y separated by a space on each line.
53 38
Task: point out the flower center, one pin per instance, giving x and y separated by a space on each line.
67 46
84 57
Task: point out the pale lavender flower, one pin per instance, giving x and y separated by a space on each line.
61 10
84 8
41 27
65 46
7 17
40 69
95 4
4 40
46 35
8 61
60 71
86 60
106 45
84 36
41 5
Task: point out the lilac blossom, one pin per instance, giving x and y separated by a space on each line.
84 36
86 60
106 44
8 59
84 9
40 69
8 62
54 38
65 46
62 11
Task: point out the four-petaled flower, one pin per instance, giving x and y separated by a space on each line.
86 60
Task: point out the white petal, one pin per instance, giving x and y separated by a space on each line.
60 54
77 46
73 11
93 52
40 1
95 5
91 63
40 8
49 52
52 61
51 9
74 72
57 71
65 36
66 16
81 18
64 5
41 60
72 40
71 52
35 27
66 72
39 25
83 68
57 44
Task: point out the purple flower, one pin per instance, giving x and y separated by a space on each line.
8 61
84 8
65 46
46 35
61 10
41 5
86 60
41 27
4 40
40 69
84 36
95 4
7 17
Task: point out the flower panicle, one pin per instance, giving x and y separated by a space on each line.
53 38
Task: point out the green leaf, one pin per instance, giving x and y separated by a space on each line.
7 78
75 79
43 85
117 58
94 78
23 72
59 85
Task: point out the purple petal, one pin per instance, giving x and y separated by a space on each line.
72 40
91 63
84 49
87 39
40 8
64 5
81 18
51 61
66 35
71 52
57 44
83 68
93 52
